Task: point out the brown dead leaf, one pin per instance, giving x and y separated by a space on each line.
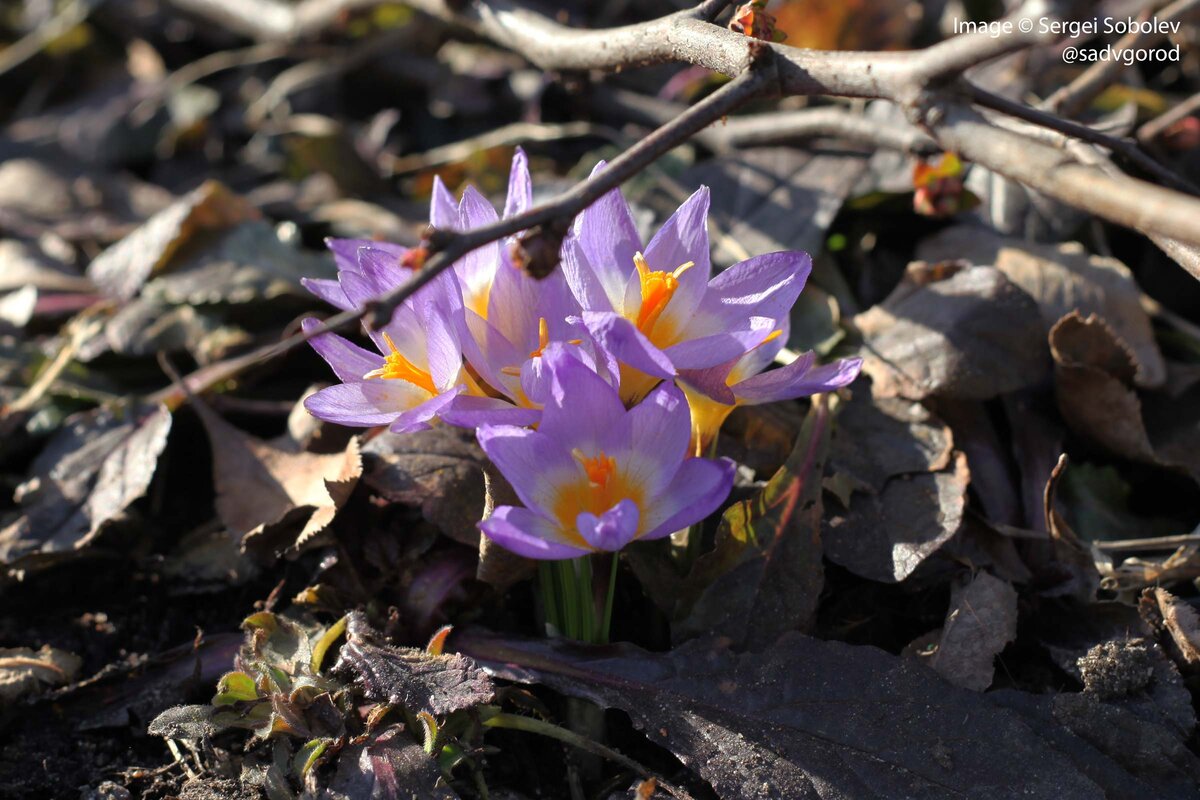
1177 619
1092 371
1062 278
89 473
122 269
982 619
498 567
967 333
24 671
439 471
265 488
901 482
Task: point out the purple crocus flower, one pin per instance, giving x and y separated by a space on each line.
418 369
658 309
419 372
510 317
715 392
595 476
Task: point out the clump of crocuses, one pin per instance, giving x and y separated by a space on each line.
598 391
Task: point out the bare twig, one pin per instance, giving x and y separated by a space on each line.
1073 98
506 135
1149 543
1155 127
449 246
1126 148
32 43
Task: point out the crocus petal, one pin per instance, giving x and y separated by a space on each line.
698 489
489 352
613 529
658 429
798 379
587 283
683 238
366 403
605 241
711 382
345 251
629 345
527 534
349 361
477 268
418 417
443 211
329 291
520 185
381 267
708 351
580 407
468 411
439 311
535 465
763 286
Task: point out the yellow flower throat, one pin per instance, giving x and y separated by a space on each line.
657 290
395 365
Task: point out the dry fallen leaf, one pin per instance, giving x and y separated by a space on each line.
894 464
88 474
966 332
1093 369
24 671
265 488
982 619
124 267
1062 278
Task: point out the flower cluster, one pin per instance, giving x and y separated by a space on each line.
595 391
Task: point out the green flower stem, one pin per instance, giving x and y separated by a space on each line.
569 599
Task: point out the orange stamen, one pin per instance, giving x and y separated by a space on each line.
599 468
395 365
657 290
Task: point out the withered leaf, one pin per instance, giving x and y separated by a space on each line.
805 719
415 679
1062 278
439 471
972 334
982 619
24 671
877 439
266 487
86 476
1092 370
907 487
885 537
124 267
765 576
391 766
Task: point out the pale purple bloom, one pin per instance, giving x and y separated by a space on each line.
715 392
595 476
658 309
510 317
419 372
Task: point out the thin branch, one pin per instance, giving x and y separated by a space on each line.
1126 201
1126 148
36 40
1072 99
449 246
1155 127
